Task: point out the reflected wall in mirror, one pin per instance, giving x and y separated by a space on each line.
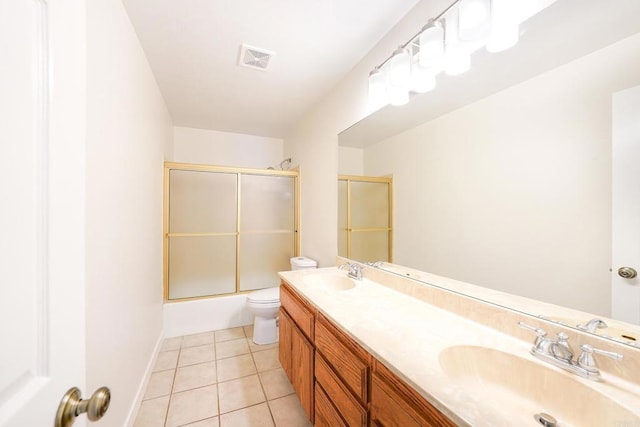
503 176
365 218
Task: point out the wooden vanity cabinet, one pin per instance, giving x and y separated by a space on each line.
296 350
395 404
338 382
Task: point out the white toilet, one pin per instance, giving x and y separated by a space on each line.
265 304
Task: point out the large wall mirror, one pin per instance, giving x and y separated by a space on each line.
506 177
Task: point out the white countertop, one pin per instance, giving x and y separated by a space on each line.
409 336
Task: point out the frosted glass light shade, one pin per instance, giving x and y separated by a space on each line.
457 60
422 79
504 26
474 19
431 45
398 95
378 95
400 69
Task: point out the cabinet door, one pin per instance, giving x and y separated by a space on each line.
284 346
302 369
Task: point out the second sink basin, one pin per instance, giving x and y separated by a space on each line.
505 382
333 281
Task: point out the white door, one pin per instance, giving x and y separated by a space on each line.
42 132
626 204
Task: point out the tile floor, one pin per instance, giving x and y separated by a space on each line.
219 379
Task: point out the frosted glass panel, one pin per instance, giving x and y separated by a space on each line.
267 203
202 202
342 218
370 246
369 205
201 266
262 256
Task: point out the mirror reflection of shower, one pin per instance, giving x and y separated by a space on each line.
283 165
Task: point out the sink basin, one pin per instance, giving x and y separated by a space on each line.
500 382
334 281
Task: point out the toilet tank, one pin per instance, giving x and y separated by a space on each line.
300 262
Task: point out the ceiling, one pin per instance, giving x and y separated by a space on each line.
193 48
560 33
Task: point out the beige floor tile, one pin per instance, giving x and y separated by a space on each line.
267 360
230 334
197 339
275 383
260 347
194 355
152 412
287 412
235 367
192 405
209 422
253 416
166 360
194 376
232 348
171 344
159 384
248 331
240 393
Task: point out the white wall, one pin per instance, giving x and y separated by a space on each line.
514 191
225 149
313 142
129 133
350 161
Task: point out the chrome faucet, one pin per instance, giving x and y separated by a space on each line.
592 325
559 354
355 270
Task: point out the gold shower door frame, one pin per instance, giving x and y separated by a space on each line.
349 229
239 172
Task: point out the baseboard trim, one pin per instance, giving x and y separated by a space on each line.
142 388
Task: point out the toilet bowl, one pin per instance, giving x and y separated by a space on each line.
264 305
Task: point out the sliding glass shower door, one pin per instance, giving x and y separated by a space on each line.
227 230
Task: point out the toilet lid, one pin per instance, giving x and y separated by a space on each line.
268 295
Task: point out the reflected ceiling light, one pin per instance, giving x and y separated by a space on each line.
474 19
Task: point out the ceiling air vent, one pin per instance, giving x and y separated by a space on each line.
253 57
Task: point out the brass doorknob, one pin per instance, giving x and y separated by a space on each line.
627 272
72 405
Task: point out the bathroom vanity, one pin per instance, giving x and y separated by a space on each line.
389 351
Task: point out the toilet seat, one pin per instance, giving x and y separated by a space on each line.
265 296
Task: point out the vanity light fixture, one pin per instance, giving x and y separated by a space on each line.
445 43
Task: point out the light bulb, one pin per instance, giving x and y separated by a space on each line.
398 95
457 58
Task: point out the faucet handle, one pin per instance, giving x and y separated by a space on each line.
542 343
586 360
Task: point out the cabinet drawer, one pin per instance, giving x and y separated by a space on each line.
346 404
350 361
326 414
298 310
395 404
